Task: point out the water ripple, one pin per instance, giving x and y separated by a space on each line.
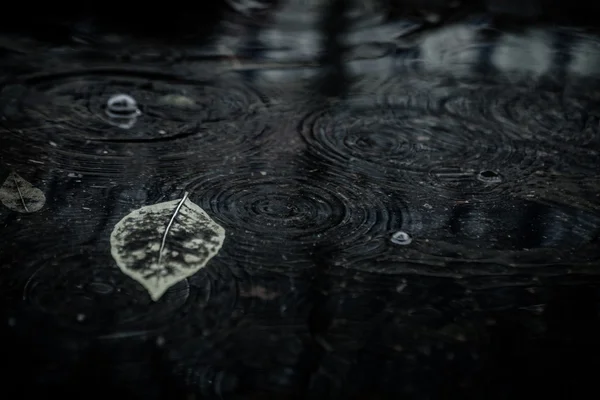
66 114
101 299
482 238
284 215
398 145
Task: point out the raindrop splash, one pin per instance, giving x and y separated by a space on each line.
489 177
122 106
401 238
122 110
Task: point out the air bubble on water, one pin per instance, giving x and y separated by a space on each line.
80 317
489 176
401 238
122 106
122 111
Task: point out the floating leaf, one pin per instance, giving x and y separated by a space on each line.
21 196
162 244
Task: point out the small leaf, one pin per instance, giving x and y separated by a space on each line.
21 196
162 244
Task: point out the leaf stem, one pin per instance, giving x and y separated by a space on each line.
19 191
164 238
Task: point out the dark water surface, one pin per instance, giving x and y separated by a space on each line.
408 214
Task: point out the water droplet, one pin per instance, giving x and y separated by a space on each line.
488 176
122 111
80 317
122 106
401 238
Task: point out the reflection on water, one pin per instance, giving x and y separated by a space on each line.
404 207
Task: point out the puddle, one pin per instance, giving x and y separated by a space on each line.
397 195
